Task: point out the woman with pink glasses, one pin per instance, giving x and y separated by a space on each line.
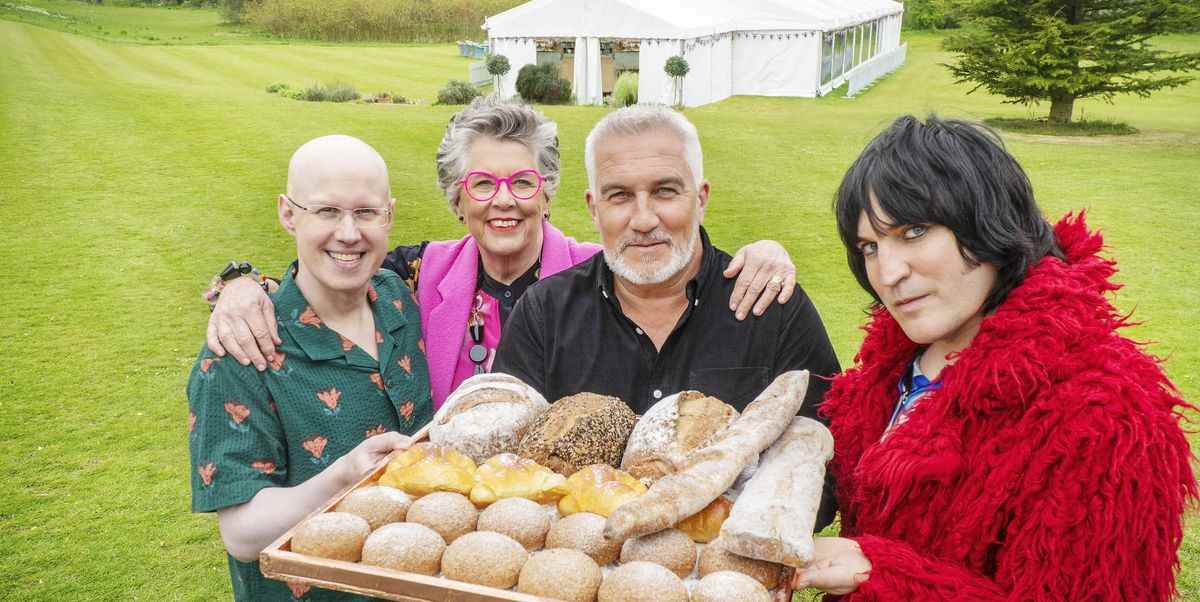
498 167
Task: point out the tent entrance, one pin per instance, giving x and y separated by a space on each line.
617 55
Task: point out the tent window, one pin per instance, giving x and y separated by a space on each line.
847 50
826 58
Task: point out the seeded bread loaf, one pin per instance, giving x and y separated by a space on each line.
578 431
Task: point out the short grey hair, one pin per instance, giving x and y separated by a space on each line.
495 118
638 119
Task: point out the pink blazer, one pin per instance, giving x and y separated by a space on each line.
447 283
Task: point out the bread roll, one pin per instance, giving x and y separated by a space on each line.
425 468
562 574
670 548
584 531
509 475
378 504
578 431
407 547
670 429
518 518
773 518
487 415
705 525
485 558
710 470
336 535
451 514
715 558
729 586
599 489
642 582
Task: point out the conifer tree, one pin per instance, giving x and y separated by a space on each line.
1032 51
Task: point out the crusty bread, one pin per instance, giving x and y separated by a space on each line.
521 519
642 582
487 414
407 547
670 429
670 548
710 470
578 431
336 535
774 516
562 574
584 531
729 586
451 514
378 504
485 558
716 558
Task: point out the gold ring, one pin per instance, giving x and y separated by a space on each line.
776 279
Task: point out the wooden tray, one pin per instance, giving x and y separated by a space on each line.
278 561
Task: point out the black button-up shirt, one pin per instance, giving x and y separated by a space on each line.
567 335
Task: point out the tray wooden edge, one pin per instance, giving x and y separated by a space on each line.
278 562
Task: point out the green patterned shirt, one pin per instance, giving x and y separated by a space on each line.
318 400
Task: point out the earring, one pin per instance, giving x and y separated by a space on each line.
461 219
546 215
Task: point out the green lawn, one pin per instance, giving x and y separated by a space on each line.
129 173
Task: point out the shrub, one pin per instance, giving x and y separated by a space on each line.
677 66
277 88
329 93
386 98
233 10
541 83
498 64
625 91
457 92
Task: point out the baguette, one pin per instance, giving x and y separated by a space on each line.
774 516
708 471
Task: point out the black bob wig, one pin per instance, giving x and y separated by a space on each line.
956 174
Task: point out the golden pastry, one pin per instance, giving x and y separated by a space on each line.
425 468
599 489
509 475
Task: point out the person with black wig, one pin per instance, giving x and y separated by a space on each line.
997 439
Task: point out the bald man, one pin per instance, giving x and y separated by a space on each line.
348 381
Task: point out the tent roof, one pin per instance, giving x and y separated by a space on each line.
679 18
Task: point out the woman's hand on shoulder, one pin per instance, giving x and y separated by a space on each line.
243 324
765 273
838 567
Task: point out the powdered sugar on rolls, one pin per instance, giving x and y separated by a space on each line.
488 414
774 517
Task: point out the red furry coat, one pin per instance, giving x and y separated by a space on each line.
1051 464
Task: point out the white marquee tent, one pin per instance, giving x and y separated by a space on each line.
753 47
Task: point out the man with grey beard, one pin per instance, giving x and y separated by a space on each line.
650 317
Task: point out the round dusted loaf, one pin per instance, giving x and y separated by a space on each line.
714 558
578 431
584 531
485 558
486 415
670 429
452 515
336 535
670 548
378 504
729 586
562 573
521 519
642 582
407 547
